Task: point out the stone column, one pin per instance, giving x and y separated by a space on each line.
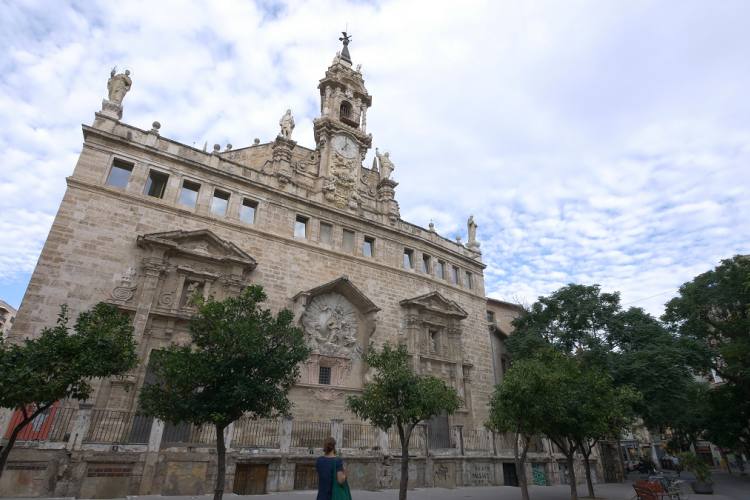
228 435
337 431
6 414
383 442
80 427
458 436
152 458
285 440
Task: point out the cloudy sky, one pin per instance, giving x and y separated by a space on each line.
594 141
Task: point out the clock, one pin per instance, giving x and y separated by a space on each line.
345 146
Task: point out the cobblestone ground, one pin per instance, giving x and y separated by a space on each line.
726 487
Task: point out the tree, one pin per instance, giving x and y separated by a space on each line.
714 309
243 359
646 356
60 364
519 405
573 320
398 396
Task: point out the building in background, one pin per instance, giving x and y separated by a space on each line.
7 317
147 222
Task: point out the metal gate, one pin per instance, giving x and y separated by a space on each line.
439 432
305 477
250 479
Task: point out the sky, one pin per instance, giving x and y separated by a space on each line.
594 142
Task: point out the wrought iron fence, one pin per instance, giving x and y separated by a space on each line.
309 434
54 425
256 433
188 434
362 436
505 442
118 427
417 443
477 440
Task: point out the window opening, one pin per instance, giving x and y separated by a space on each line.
156 184
368 246
247 210
469 280
189 193
454 275
345 111
324 375
219 202
119 174
348 241
300 227
425 263
326 233
408 258
440 272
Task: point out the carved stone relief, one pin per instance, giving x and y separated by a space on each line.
330 323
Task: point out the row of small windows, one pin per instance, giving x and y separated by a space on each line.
438 269
156 186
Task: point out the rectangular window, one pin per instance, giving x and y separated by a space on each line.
368 246
119 174
247 211
300 226
490 317
440 270
408 258
469 280
324 375
454 275
326 233
189 193
219 203
347 241
156 184
425 263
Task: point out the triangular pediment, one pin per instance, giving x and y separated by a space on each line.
346 288
201 244
436 303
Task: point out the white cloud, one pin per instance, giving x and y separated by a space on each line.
593 141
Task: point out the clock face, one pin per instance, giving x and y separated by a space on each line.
345 146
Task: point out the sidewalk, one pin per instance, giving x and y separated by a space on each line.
726 487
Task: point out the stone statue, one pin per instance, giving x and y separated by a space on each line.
287 124
118 85
386 165
472 230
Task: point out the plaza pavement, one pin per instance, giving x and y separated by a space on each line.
726 487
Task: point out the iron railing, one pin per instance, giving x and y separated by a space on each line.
118 427
477 440
53 425
188 434
256 433
309 434
417 443
362 436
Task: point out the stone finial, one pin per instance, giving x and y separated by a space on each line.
228 147
345 39
118 85
256 141
458 240
287 124
155 127
217 148
431 227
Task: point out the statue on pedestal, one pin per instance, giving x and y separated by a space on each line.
472 231
118 85
386 165
287 125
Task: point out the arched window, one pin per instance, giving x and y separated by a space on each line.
345 111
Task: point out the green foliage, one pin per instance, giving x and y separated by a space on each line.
242 360
60 363
713 310
647 357
727 417
574 319
696 465
397 395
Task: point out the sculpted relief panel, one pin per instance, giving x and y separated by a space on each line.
330 323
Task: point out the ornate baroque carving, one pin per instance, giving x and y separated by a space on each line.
330 325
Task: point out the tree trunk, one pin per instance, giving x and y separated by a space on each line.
521 466
404 435
589 483
5 453
572 475
221 466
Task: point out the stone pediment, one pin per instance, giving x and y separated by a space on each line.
201 244
341 286
436 303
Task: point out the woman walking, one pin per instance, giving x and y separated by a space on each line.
326 465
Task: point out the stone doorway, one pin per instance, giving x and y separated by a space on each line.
510 478
250 479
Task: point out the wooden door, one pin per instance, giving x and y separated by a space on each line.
305 477
250 479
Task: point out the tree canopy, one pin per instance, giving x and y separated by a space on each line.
243 360
398 396
60 363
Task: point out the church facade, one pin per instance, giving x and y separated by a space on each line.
146 222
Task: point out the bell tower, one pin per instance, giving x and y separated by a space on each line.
341 130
